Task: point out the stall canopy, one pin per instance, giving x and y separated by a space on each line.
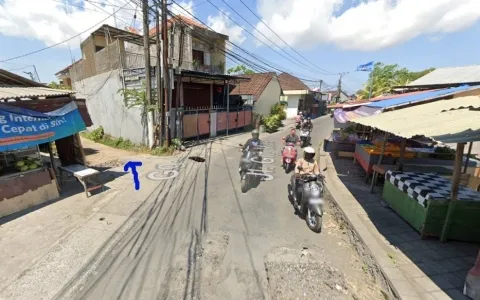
377 106
447 121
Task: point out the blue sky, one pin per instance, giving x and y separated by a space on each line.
335 35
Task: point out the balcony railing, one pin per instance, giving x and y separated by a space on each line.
208 69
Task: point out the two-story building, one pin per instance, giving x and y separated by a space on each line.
113 60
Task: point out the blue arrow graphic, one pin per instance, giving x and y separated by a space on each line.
133 165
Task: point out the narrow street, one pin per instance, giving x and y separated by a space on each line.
198 237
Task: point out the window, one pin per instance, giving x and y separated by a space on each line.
248 99
98 48
198 56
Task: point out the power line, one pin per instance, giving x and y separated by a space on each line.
225 14
261 59
264 35
328 73
57 44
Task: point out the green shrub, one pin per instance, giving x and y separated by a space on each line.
279 110
272 123
96 135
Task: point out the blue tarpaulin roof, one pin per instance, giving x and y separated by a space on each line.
418 97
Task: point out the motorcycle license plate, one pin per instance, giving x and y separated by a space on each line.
318 201
288 160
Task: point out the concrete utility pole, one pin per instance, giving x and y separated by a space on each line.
159 76
148 78
339 90
166 73
340 86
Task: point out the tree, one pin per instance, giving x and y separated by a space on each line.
57 86
240 69
384 77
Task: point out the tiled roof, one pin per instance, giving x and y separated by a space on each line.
291 83
255 87
178 18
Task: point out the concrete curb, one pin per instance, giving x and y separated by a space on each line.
350 208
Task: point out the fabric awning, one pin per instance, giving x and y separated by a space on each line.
343 116
446 121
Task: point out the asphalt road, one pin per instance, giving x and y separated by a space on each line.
201 238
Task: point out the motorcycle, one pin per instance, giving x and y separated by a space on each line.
298 122
308 200
305 138
289 154
251 160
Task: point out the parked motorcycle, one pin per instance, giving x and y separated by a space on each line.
251 160
289 154
305 138
308 200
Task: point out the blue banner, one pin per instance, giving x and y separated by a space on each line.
366 67
21 127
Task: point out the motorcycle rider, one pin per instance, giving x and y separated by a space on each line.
305 165
307 125
292 137
254 141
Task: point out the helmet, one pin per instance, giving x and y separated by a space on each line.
255 134
308 153
309 119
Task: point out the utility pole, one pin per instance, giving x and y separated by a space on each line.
166 73
159 76
339 91
148 78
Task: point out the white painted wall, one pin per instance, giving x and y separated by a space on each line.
269 96
107 108
292 108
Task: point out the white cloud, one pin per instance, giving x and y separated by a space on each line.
185 6
366 26
53 22
221 24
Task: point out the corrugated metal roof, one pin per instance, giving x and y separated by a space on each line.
452 75
415 98
10 79
29 92
442 121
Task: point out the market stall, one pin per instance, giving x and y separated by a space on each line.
432 204
422 200
27 178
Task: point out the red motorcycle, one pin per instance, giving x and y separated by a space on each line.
289 155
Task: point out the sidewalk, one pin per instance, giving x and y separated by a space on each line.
415 268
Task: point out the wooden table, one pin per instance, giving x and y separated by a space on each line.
83 174
382 169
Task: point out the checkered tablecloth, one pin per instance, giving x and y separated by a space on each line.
428 186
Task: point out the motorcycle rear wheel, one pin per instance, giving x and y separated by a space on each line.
314 221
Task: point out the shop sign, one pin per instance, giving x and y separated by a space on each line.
21 127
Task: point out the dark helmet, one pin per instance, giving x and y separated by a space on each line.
309 119
255 134
308 153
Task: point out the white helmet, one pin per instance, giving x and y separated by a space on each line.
308 153
309 150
